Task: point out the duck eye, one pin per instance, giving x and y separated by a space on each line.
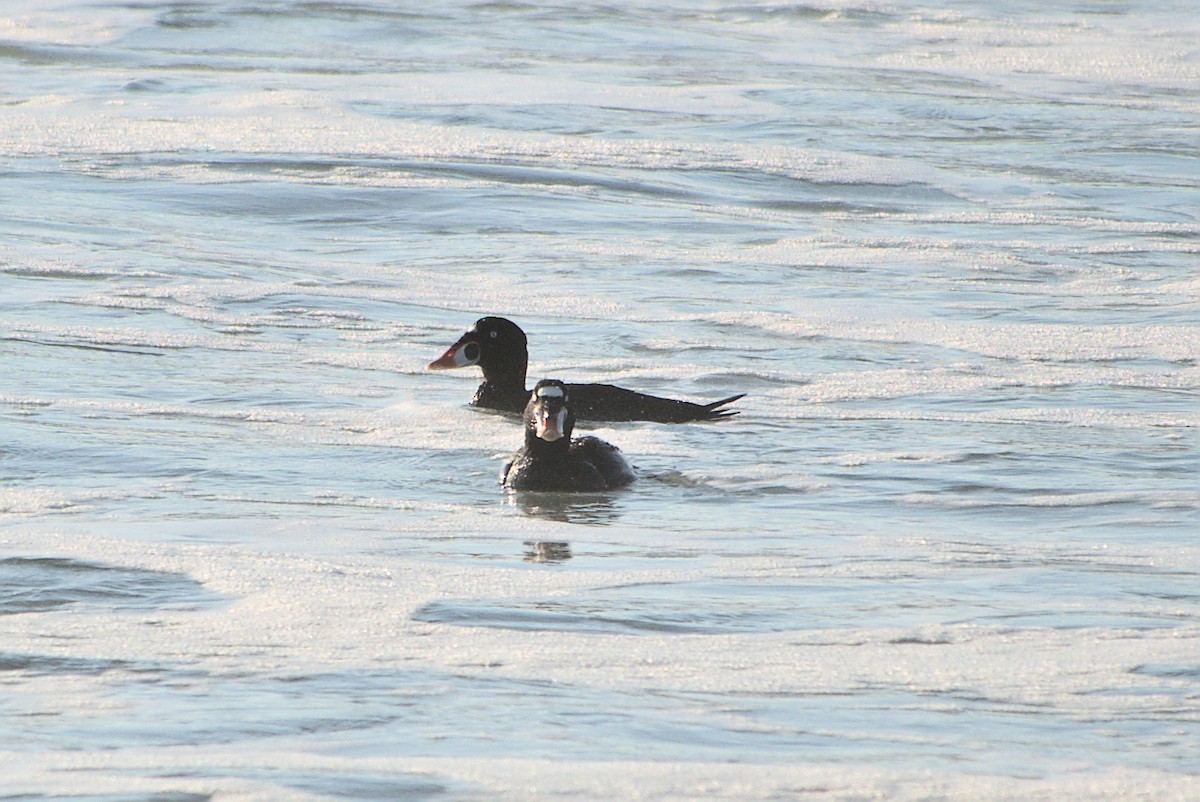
471 351
493 334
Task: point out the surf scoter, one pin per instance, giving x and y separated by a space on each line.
498 347
551 460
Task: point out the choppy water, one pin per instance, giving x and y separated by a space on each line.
251 549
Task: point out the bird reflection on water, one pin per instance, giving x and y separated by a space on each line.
592 509
547 551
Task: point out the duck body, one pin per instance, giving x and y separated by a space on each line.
550 460
499 347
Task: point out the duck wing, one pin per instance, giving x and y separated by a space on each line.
606 458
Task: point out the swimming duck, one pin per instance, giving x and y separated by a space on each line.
499 348
551 460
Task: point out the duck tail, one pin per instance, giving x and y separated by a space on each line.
713 411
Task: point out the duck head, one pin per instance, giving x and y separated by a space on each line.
548 414
495 344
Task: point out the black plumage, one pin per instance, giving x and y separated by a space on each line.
499 347
551 460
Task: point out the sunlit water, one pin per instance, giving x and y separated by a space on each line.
253 550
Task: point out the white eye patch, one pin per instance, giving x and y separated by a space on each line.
551 392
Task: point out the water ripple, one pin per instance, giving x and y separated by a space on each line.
35 584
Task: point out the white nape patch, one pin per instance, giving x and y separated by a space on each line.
551 392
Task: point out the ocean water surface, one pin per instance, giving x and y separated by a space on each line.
251 549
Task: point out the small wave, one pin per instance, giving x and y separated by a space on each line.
50 270
45 664
662 608
784 11
976 496
125 339
1168 671
347 786
36 584
855 460
1049 343
145 85
555 616
87 407
17 501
